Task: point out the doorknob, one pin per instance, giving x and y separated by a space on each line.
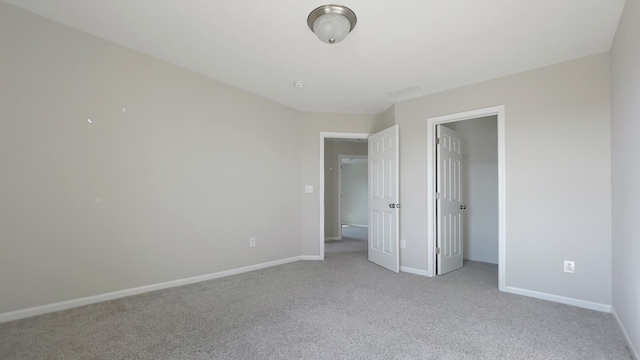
392 205
463 207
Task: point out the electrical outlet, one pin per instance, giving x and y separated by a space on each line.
252 242
569 266
403 244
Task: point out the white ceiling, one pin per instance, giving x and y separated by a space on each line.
263 46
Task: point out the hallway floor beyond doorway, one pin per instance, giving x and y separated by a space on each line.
355 232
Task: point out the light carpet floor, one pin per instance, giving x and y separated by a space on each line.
341 308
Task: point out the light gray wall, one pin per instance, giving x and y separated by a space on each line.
311 126
354 187
480 187
163 190
332 150
170 188
558 174
625 109
388 118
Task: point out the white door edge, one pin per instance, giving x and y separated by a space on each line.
323 136
498 111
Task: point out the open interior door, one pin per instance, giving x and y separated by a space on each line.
449 206
383 199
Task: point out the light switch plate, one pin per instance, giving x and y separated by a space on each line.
569 266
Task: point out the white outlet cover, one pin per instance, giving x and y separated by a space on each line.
308 189
403 244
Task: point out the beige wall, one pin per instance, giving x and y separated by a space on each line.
332 150
558 176
171 188
625 109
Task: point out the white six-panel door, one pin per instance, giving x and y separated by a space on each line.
449 204
383 199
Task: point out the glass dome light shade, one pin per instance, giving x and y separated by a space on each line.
331 28
331 23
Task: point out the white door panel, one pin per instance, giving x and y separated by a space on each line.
449 204
383 199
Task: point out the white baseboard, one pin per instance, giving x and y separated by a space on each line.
413 271
634 351
332 238
64 305
357 225
484 260
560 299
311 257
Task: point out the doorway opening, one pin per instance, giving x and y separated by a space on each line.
352 196
484 248
332 146
383 191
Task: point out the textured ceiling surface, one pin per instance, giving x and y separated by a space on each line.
263 46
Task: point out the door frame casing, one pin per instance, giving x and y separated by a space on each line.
498 111
323 137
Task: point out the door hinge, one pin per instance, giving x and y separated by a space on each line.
437 250
437 196
437 141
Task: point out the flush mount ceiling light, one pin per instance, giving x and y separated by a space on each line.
332 23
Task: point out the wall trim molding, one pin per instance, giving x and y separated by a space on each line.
357 225
311 257
414 271
634 351
482 260
332 238
69 304
560 299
